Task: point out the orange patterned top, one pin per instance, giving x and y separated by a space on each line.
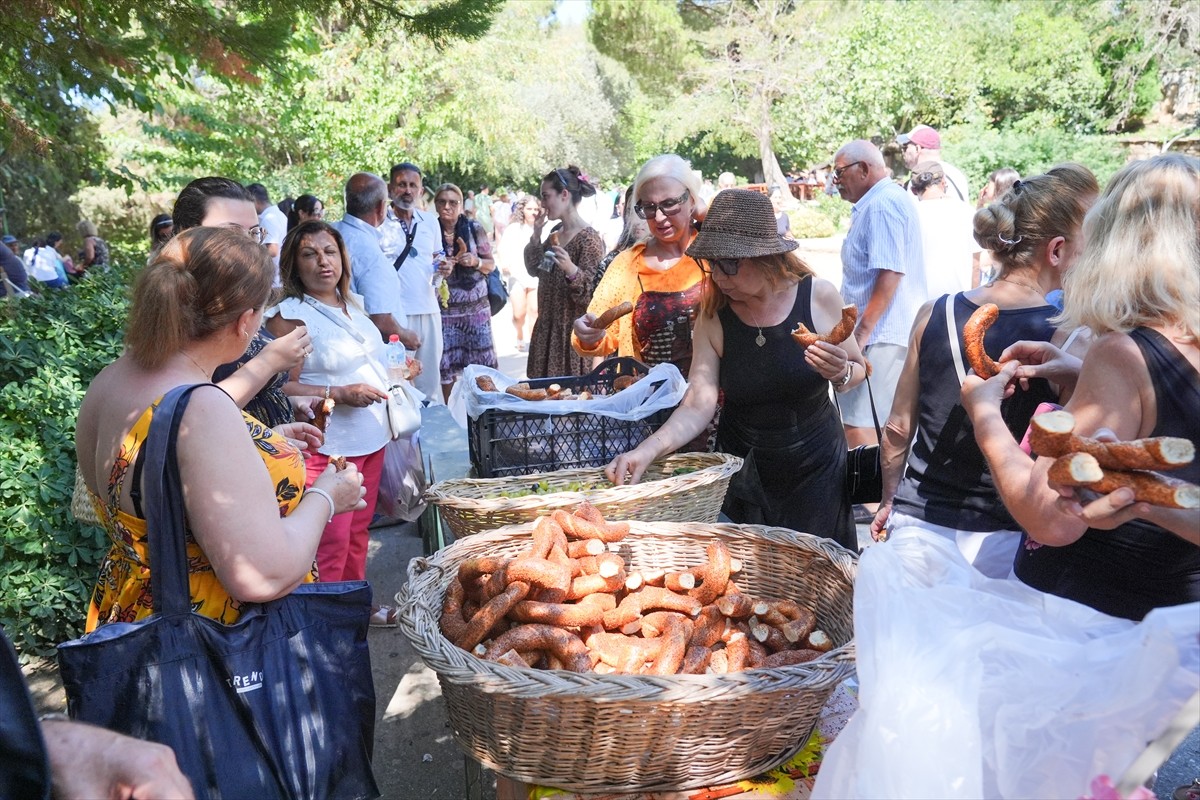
122 592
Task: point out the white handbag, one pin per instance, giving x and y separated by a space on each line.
404 400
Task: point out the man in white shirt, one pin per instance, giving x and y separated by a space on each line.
410 240
923 143
273 221
371 275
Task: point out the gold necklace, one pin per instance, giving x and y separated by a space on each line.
1036 289
206 375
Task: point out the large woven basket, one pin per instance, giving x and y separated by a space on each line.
614 733
472 505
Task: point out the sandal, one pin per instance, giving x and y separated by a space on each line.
384 617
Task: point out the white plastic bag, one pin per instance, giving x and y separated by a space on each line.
973 687
403 480
662 387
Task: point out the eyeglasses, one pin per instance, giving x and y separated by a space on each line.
728 266
669 208
837 171
258 233
447 201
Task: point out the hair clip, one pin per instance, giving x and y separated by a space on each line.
1009 242
1016 187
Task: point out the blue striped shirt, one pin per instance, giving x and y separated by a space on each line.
885 233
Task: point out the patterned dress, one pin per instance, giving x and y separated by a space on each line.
122 592
467 318
560 303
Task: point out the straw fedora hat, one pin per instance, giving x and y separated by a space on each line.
739 224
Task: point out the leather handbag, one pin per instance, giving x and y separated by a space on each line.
278 705
864 471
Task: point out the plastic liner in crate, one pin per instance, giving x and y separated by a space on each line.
510 436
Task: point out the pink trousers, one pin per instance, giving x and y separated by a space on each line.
342 553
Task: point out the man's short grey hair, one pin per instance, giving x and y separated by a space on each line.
861 150
365 192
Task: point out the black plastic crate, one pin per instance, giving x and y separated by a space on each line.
504 443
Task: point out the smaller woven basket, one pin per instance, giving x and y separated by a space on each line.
624 733
472 505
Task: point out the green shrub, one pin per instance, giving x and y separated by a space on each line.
51 346
809 223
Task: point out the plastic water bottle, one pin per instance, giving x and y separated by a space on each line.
397 360
438 259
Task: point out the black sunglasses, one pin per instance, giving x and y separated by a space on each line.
728 266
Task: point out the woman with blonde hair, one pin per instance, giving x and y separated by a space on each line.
657 276
1135 286
943 484
777 413
252 527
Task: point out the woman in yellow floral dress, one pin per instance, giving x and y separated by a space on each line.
252 528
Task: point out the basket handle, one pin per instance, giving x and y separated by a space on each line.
419 566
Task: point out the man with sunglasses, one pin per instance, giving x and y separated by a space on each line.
882 274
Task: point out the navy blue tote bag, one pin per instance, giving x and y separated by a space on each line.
279 705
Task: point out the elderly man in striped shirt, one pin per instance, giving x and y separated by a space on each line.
882 274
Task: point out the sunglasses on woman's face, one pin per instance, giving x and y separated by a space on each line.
669 207
728 266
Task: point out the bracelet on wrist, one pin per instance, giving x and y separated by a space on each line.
328 498
849 375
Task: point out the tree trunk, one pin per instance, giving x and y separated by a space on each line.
772 172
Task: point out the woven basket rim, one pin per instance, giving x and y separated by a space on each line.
455 665
443 493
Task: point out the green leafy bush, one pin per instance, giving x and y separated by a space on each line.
51 346
809 223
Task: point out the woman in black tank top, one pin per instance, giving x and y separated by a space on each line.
945 485
1135 286
777 414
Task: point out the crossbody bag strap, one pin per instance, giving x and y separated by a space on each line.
343 323
871 400
409 236
952 335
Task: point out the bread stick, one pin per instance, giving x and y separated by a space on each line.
1082 469
612 315
451 621
526 393
566 646
486 384
321 413
1052 435
564 615
485 619
674 647
840 332
983 318
715 574
786 658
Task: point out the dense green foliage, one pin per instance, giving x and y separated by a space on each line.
51 346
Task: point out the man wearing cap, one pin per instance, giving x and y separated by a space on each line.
14 268
923 143
882 274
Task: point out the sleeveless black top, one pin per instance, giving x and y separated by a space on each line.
947 481
778 416
1137 567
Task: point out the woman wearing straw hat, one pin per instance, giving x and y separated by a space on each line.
777 414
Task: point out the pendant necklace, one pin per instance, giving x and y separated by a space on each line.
759 340
1034 289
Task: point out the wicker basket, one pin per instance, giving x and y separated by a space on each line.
472 505
613 733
